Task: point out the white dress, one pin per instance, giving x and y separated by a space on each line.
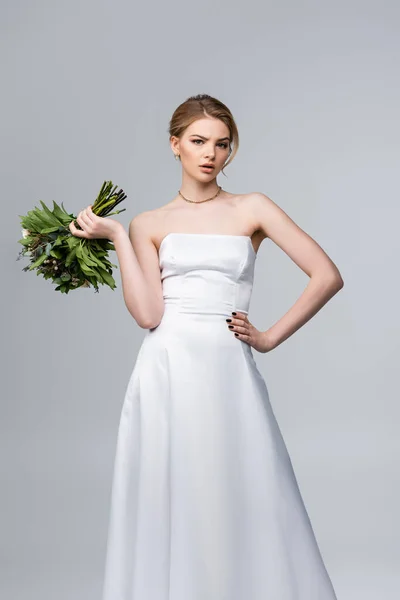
205 504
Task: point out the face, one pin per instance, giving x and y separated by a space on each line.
204 141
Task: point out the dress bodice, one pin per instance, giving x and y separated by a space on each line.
207 273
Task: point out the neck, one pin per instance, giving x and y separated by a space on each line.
197 190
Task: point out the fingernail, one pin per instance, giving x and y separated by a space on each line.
236 334
234 313
229 320
230 326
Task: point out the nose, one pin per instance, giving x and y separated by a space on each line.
210 152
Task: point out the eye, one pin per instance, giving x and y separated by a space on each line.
222 144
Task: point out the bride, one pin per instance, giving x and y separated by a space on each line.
205 504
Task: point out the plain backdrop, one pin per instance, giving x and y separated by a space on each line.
88 88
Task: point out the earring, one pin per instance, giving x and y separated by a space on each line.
176 156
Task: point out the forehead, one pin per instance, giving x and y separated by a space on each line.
209 127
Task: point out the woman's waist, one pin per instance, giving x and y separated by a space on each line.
212 295
203 309
197 330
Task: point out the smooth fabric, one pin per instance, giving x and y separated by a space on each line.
205 504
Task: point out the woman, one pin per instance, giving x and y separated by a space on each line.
205 504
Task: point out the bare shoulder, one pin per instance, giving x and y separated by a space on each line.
145 225
253 207
257 199
265 211
252 201
142 225
140 221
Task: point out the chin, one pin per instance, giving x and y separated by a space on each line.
209 175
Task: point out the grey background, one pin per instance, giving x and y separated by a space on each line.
87 92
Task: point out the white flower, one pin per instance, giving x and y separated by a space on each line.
25 233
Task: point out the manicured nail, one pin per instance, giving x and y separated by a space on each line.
229 320
234 313
236 334
230 326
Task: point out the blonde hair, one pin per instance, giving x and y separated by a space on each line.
197 107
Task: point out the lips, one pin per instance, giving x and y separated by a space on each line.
210 167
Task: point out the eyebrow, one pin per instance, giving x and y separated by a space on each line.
204 138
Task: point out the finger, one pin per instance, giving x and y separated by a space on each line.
242 336
83 215
79 221
76 231
239 315
85 219
237 321
89 213
82 222
240 329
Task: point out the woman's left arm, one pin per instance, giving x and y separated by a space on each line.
325 279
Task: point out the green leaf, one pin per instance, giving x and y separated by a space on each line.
61 214
38 262
95 258
73 241
87 270
49 230
106 277
82 253
50 215
29 223
39 218
70 257
59 241
25 241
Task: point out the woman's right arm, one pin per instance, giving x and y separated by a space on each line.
140 272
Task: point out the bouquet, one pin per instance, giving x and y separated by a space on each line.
69 261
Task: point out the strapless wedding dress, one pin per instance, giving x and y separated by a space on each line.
205 504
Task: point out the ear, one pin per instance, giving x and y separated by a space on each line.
174 142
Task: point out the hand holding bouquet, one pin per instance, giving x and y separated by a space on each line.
73 257
94 227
